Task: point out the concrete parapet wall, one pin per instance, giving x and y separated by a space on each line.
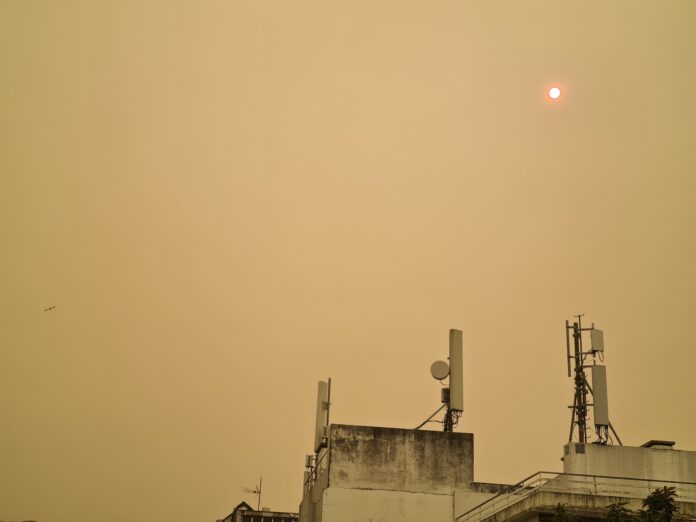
388 474
630 462
366 457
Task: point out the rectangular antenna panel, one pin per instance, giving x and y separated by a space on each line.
599 396
597 340
568 346
456 377
322 412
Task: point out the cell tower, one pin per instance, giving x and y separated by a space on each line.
600 403
452 396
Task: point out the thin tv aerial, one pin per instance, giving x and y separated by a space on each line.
452 393
580 360
256 491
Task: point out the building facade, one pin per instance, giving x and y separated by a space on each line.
370 473
595 477
245 513
385 474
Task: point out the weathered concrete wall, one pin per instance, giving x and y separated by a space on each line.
307 508
366 457
388 474
464 500
362 505
475 494
630 462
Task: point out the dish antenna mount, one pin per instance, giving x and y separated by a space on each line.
452 393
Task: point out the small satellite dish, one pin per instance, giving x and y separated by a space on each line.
439 370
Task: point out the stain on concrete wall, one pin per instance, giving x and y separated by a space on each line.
367 457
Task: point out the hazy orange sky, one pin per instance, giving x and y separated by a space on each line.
227 201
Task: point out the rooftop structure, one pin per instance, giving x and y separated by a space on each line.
392 474
245 513
387 474
596 476
585 497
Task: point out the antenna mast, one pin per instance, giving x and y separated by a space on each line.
579 416
579 409
321 427
452 396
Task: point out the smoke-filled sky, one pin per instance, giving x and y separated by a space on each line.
227 201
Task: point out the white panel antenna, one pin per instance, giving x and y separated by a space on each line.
456 384
322 419
600 399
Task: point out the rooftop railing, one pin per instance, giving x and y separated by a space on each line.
571 483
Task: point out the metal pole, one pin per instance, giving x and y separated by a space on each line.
615 434
584 379
328 407
580 391
572 421
448 420
258 506
428 419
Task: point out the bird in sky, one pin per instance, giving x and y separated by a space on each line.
49 308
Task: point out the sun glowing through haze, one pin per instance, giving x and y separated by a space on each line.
554 93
